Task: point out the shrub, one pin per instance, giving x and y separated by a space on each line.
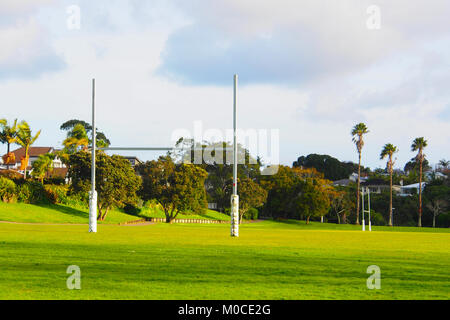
444 220
76 200
55 181
56 193
31 192
11 174
7 190
251 214
152 204
377 218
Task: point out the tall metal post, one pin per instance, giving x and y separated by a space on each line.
368 197
363 222
93 192
235 197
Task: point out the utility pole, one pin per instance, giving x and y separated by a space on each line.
93 193
235 197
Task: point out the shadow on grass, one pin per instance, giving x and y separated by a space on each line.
290 221
211 216
66 210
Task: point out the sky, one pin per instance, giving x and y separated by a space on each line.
311 69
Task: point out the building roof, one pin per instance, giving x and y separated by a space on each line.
342 182
414 185
32 152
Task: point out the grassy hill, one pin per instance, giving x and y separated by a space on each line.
270 260
58 213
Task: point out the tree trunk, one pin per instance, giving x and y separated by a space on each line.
357 189
104 215
390 198
344 218
168 220
434 220
321 219
307 220
7 165
339 218
419 224
26 164
169 216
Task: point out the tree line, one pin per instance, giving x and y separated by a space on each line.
303 191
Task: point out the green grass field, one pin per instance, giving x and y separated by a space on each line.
270 260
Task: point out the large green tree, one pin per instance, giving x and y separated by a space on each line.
341 203
419 144
116 181
282 189
437 198
251 195
388 151
332 168
358 132
178 187
216 158
313 200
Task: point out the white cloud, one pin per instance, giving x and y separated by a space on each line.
394 80
21 6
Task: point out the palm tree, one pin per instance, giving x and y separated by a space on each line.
388 151
358 131
26 140
418 145
8 135
76 139
444 164
42 166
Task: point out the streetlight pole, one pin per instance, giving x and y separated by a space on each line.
235 197
93 193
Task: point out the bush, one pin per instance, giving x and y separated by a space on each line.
377 218
55 181
152 204
7 190
11 174
76 201
56 193
31 192
443 220
251 214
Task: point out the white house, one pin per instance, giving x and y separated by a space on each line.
411 189
33 153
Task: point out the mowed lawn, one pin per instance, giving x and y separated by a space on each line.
270 260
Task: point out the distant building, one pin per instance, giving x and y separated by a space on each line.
33 153
352 178
411 189
134 161
435 175
59 170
